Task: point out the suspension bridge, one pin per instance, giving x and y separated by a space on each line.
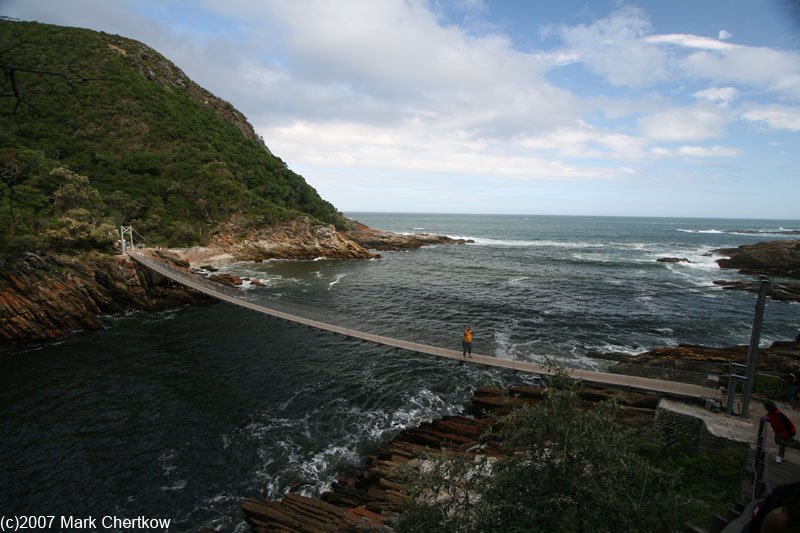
235 297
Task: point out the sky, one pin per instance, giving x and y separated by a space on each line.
683 108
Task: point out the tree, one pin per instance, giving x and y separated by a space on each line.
75 192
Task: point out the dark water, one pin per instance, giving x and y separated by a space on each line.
183 414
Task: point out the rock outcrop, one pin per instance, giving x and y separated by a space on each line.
387 241
693 362
770 258
303 239
45 298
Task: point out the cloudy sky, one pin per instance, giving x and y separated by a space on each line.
679 108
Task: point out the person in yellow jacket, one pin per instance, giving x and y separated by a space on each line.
466 342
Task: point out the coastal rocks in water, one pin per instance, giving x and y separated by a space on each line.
672 260
693 363
787 292
770 258
45 298
387 241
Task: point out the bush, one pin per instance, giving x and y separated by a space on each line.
568 468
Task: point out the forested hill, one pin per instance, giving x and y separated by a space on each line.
97 130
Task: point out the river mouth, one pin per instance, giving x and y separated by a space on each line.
185 413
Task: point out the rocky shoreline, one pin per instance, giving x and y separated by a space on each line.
371 497
44 298
693 363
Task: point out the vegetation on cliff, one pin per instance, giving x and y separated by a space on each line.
97 130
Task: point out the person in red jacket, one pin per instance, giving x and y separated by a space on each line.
782 427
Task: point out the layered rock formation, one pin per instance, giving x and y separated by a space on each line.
44 298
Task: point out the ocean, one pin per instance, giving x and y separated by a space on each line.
182 414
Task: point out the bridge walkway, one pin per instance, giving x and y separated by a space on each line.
619 381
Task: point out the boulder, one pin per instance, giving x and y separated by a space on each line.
226 279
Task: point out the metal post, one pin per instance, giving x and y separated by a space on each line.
752 352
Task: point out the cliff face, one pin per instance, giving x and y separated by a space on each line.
44 298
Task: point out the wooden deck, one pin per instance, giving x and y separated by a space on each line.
620 381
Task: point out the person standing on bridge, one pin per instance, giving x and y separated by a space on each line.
466 342
782 426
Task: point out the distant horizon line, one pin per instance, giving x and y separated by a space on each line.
346 212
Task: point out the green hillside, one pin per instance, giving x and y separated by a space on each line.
97 130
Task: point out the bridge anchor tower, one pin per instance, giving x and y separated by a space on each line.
126 237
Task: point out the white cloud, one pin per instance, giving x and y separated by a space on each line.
622 49
724 35
690 41
412 152
585 141
683 124
775 116
398 63
721 95
696 151
615 48
760 68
